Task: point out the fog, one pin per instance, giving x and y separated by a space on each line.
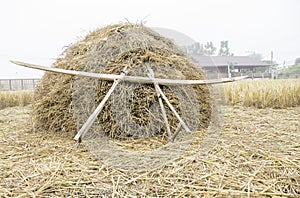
37 31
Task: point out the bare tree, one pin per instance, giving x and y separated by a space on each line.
209 49
224 49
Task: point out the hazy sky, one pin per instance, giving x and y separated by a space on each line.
36 31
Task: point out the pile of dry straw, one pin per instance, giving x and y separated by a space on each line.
63 103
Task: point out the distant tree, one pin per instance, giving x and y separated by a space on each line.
198 48
295 69
195 48
209 49
297 61
224 49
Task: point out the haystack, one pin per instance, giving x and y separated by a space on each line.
63 102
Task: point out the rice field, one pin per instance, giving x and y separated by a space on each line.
15 98
258 93
256 153
264 93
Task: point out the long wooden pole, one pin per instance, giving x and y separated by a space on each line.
173 109
176 132
134 79
163 110
88 124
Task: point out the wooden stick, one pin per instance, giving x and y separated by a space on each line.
163 110
134 79
88 124
176 132
173 109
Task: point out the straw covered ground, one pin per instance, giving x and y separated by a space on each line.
257 153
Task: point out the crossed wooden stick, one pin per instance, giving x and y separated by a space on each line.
135 79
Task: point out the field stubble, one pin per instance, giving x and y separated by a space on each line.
256 154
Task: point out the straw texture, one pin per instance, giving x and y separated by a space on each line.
63 103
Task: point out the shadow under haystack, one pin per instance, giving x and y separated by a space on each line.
63 103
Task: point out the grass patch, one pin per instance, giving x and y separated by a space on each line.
264 93
15 98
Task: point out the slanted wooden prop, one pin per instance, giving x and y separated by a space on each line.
134 79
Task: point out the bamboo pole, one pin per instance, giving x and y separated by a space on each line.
134 79
163 110
88 124
176 132
172 109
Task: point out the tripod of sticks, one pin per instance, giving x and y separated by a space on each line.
135 79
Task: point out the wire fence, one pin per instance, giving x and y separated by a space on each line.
18 84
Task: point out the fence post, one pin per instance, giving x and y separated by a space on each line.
9 82
22 84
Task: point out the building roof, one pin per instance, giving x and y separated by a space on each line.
219 61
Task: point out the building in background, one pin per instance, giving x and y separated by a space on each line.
231 66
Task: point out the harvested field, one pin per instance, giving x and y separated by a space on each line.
257 154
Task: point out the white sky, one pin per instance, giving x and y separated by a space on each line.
36 31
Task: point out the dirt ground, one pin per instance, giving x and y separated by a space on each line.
256 154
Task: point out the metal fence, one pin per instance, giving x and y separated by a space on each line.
18 84
284 76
